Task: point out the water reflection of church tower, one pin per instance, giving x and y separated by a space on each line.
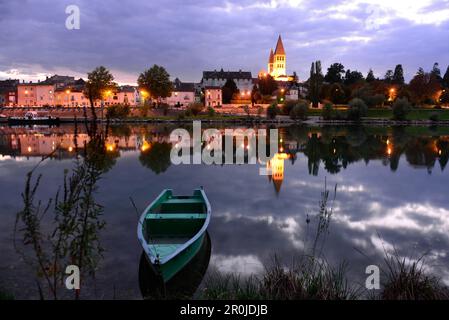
275 167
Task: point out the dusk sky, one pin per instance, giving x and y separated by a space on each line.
187 37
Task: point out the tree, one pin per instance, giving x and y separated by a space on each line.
446 78
398 76
156 81
370 76
315 82
267 85
424 87
444 99
388 78
337 94
353 77
99 82
255 95
335 73
436 72
228 91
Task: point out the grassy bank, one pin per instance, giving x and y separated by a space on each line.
377 113
5 296
315 279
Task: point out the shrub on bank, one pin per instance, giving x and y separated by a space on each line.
401 108
272 111
287 107
357 109
434 116
195 108
210 111
118 111
376 100
299 110
259 111
328 112
247 110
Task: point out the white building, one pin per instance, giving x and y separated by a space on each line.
243 79
182 95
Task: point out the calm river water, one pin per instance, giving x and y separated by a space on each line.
391 182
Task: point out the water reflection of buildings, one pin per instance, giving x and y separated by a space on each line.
57 145
332 149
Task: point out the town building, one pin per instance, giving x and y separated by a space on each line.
243 79
35 94
292 93
213 96
124 95
60 81
73 96
182 95
8 92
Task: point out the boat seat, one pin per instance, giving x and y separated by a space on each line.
176 216
189 200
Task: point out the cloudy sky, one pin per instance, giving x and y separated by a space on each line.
188 36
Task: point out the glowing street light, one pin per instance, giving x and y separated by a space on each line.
392 94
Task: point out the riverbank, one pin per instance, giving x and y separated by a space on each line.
421 117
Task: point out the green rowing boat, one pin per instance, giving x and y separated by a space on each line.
172 230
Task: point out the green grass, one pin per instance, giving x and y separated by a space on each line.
191 118
415 114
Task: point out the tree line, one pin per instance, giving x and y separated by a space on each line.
340 85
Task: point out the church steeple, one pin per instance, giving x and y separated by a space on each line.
279 47
270 62
271 58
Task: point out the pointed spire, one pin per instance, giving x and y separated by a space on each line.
271 58
279 47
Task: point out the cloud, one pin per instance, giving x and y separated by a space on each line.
188 37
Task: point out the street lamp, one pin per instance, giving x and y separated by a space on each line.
68 97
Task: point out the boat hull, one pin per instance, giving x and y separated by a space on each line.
22 121
172 229
169 269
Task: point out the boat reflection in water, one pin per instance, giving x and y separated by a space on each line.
183 285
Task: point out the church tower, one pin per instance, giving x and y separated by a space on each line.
277 61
